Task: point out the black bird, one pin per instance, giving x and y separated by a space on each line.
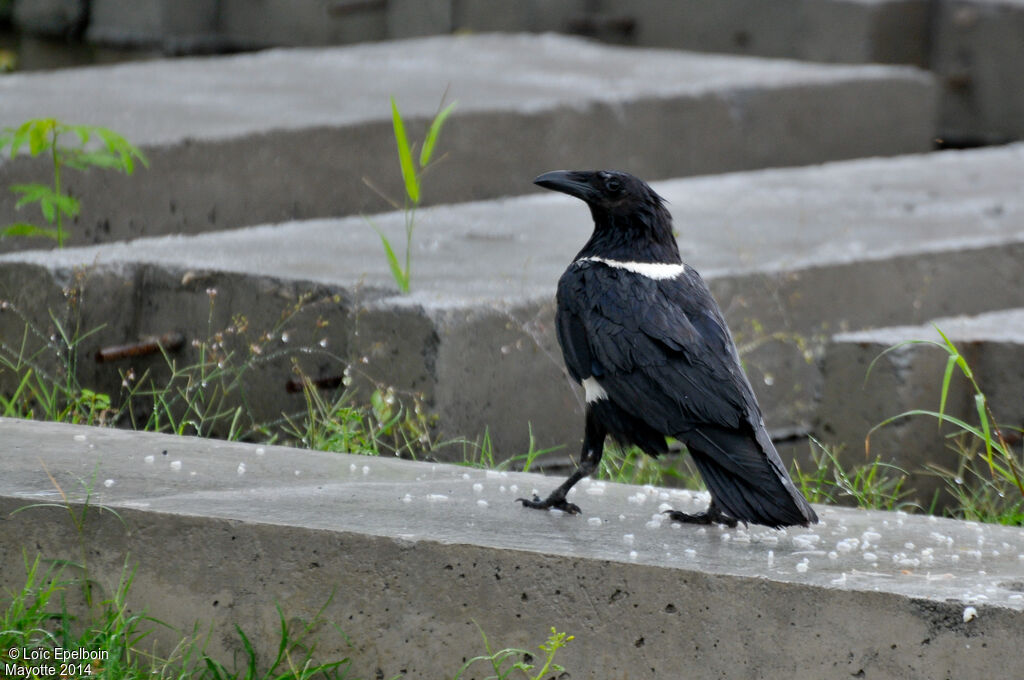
642 334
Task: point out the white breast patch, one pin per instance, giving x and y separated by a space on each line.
652 270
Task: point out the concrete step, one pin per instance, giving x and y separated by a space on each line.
290 134
973 46
911 378
415 554
793 256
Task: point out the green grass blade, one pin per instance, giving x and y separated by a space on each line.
946 378
430 141
396 269
412 185
895 347
979 404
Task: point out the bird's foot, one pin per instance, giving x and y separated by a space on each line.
710 516
553 501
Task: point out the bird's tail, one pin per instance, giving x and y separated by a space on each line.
747 479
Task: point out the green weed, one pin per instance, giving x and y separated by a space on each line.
412 175
92 147
480 454
519 663
988 484
875 485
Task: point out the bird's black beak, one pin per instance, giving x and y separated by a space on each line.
573 182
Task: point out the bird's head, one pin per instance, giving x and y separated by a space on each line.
630 218
605 191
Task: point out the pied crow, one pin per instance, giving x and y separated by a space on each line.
640 331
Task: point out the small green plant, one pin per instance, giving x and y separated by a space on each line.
44 394
630 465
93 147
518 663
343 425
412 174
875 485
294 658
480 454
988 484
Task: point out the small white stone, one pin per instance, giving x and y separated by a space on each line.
79 437
628 539
241 468
970 613
175 464
481 502
478 487
594 521
633 555
870 557
407 498
260 450
108 483
802 566
149 460
366 469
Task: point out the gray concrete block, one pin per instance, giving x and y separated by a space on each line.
890 31
536 16
271 23
415 554
910 378
49 17
290 134
793 256
412 18
977 50
176 26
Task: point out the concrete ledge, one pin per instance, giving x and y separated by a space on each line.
793 256
976 52
416 552
290 134
911 378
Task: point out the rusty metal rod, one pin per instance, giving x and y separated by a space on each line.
341 8
171 342
329 383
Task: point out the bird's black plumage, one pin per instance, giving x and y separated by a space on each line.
642 333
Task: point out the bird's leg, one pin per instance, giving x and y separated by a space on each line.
713 515
590 457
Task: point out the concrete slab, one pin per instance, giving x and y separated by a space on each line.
911 378
976 52
793 256
289 134
178 26
415 554
848 31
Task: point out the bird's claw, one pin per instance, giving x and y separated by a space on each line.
557 503
710 516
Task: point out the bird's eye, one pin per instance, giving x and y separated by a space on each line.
613 185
